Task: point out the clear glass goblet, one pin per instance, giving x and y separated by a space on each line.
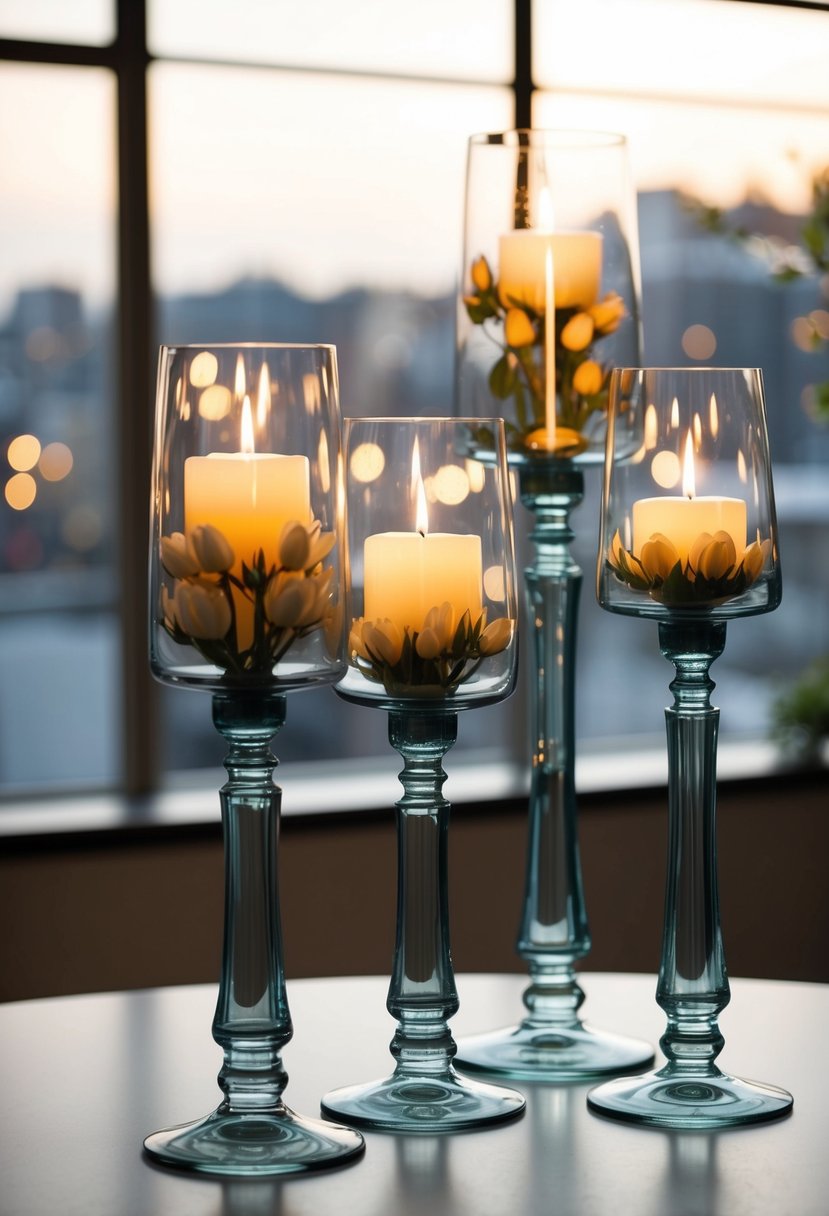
433 611
689 538
246 603
549 304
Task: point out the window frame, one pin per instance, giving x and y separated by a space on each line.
128 57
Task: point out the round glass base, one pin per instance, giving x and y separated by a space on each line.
533 1052
442 1102
254 1144
670 1098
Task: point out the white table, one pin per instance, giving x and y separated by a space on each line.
85 1078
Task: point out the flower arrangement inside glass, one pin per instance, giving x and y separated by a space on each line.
246 602
689 537
550 297
433 611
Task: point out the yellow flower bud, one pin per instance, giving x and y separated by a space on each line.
356 645
608 313
294 546
615 549
321 544
177 558
202 610
481 274
211 549
658 556
496 637
428 644
384 639
441 621
587 378
578 332
518 328
716 558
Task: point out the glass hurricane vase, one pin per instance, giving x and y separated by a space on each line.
246 603
550 301
432 604
689 537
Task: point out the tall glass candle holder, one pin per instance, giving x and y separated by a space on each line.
432 603
689 538
246 602
550 302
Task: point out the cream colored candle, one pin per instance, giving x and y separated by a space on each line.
407 573
522 267
682 520
249 497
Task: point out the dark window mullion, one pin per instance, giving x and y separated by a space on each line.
134 399
523 83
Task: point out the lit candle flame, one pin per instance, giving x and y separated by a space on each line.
248 446
688 480
263 397
240 383
421 510
545 210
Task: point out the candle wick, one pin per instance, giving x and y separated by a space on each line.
420 532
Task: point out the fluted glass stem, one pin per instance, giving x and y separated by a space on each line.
252 1023
424 1093
552 1043
693 985
422 994
690 1090
554 932
252 1132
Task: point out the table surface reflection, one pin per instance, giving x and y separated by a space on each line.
84 1078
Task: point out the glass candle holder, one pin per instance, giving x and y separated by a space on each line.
433 611
550 287
689 537
550 301
246 602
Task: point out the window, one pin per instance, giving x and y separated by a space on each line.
305 184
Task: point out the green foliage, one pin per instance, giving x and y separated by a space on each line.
801 714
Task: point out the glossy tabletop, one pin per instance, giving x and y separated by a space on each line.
85 1078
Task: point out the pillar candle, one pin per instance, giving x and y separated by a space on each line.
249 497
407 573
577 267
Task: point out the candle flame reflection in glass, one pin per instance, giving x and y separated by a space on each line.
248 447
697 432
322 459
675 414
651 434
476 474
688 474
263 397
240 382
713 416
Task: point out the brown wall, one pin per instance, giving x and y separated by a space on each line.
96 913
